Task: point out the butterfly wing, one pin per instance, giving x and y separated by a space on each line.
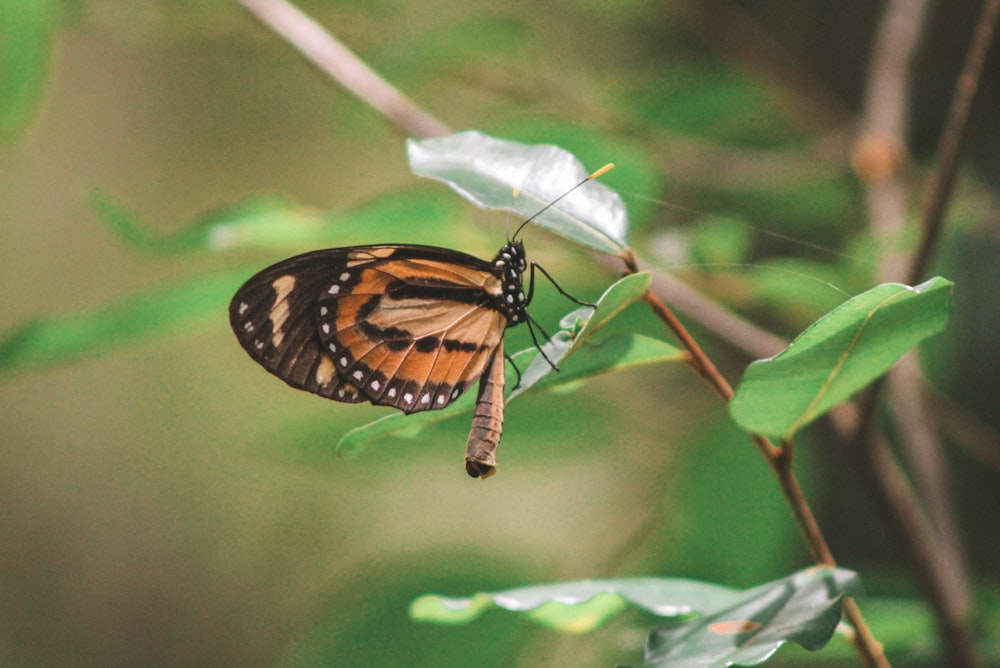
405 326
273 318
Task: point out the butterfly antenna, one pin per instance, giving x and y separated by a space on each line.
600 172
513 198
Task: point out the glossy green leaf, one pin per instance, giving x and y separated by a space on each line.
27 29
94 332
804 607
637 175
486 171
838 355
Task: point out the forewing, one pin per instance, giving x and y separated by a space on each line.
413 327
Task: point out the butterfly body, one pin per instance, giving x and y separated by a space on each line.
407 326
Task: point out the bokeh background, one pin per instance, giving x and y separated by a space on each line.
164 501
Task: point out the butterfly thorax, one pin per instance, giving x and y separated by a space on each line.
510 265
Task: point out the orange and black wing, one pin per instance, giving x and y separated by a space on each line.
405 326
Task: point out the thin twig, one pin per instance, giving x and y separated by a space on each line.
340 63
953 138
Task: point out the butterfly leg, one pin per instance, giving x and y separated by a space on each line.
531 287
534 340
513 365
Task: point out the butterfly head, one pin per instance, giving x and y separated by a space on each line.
510 264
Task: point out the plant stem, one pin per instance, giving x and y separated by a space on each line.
780 461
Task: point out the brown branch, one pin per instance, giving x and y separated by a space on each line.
780 461
343 66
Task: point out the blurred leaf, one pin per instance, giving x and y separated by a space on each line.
838 355
797 290
27 31
351 627
463 47
719 240
717 100
88 333
486 171
804 607
276 222
713 478
816 206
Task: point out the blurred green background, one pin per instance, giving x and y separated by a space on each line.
163 501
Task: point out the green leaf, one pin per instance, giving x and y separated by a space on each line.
274 222
615 353
838 355
804 607
27 29
89 333
486 171
579 325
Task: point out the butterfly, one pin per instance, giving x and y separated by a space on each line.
400 325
